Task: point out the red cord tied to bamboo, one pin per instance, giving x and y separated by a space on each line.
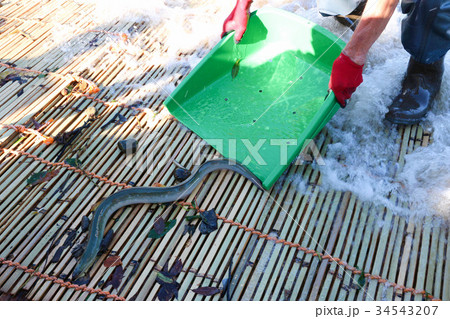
65 165
47 140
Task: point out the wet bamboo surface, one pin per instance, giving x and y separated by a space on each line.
410 252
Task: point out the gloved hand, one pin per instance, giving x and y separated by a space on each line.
346 76
237 20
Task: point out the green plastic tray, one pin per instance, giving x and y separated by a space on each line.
276 100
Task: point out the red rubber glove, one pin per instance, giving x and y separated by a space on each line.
346 76
237 20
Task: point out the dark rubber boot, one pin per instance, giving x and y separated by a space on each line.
419 89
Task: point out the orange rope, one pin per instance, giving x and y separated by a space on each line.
92 88
328 258
24 130
60 282
69 167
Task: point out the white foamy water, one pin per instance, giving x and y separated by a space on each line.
362 157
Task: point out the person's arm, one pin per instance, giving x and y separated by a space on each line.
373 21
346 74
237 20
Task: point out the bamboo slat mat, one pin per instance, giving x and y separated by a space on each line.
410 252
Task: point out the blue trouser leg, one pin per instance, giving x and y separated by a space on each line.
426 29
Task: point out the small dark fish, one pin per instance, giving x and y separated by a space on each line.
235 69
71 235
181 174
57 255
106 241
78 250
85 224
118 119
135 268
136 104
12 77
